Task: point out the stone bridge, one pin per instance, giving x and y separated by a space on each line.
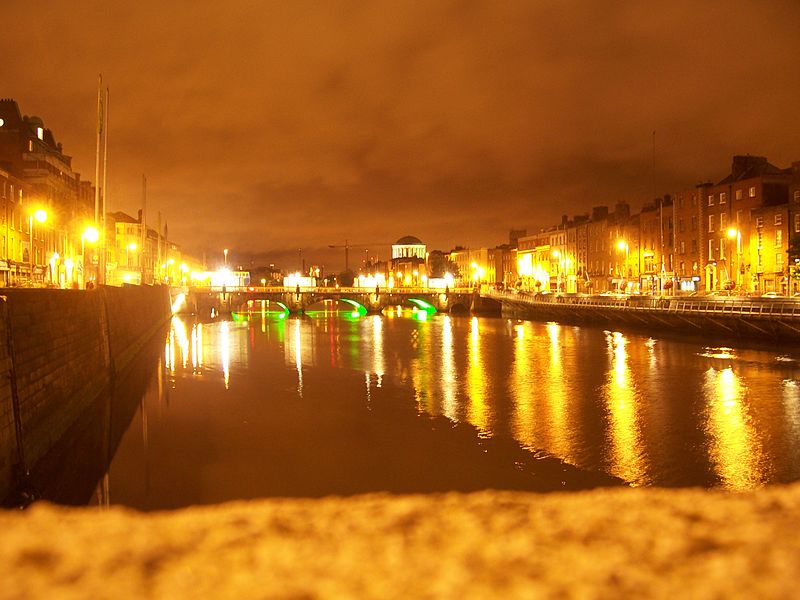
298 300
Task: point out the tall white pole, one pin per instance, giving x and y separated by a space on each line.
97 151
102 278
142 254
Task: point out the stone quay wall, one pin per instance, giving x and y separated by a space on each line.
59 349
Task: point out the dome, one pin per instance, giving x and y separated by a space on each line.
409 240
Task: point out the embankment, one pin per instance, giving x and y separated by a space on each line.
59 349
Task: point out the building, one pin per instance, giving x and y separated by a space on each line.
409 263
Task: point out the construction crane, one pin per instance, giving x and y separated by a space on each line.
347 245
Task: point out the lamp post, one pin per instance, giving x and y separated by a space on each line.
557 256
225 254
40 216
623 245
91 235
735 233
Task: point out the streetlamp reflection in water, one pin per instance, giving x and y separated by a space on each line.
622 404
735 450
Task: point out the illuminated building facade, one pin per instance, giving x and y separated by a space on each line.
409 263
30 154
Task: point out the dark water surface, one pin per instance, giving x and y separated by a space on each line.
329 404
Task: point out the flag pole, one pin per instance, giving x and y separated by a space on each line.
105 191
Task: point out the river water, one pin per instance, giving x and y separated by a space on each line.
332 403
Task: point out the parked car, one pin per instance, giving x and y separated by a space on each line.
772 295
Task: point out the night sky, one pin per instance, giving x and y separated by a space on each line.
271 126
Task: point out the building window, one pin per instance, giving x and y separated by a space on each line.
752 191
723 197
722 248
778 263
723 221
40 133
778 238
694 223
797 223
760 263
680 225
759 221
694 246
711 223
711 199
682 247
779 219
694 199
759 239
30 145
797 195
710 249
738 194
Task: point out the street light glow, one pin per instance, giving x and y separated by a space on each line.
91 235
40 216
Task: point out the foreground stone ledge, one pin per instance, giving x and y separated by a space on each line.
603 543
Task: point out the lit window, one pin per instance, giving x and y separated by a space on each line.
710 223
30 145
778 238
779 219
759 239
797 223
759 221
738 194
778 263
711 199
40 133
723 197
752 191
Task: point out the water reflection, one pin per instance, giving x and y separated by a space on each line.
735 449
651 412
478 411
622 404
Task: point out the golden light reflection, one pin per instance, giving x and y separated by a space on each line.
477 411
421 371
378 361
225 353
179 329
554 400
621 403
449 375
791 407
197 346
298 357
735 450
523 390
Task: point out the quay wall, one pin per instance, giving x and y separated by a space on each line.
59 349
754 319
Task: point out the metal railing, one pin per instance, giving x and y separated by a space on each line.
762 307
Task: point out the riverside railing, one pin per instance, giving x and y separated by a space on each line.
751 307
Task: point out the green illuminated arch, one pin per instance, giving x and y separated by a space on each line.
424 305
359 311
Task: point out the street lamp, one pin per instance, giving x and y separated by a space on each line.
225 253
557 256
128 249
40 216
623 245
735 233
91 235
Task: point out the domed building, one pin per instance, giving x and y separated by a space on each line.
409 262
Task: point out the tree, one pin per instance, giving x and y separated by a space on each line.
439 264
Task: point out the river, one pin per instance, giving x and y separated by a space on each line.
334 403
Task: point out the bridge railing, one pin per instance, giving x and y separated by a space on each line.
250 289
753 307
